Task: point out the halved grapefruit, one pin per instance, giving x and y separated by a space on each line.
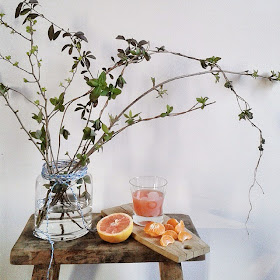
115 228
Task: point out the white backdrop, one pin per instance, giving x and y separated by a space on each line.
208 157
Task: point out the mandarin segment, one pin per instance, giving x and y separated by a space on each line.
166 239
180 227
183 235
171 233
172 222
147 226
168 227
154 229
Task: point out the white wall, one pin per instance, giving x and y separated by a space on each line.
208 157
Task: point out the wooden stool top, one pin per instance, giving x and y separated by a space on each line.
89 249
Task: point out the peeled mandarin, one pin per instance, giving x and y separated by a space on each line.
183 235
171 233
166 239
172 222
147 226
154 229
180 227
168 227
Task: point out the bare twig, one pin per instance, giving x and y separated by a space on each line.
193 108
13 30
22 126
14 64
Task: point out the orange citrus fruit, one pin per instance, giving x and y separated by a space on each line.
147 226
172 222
166 239
183 235
180 227
115 228
168 227
171 233
154 229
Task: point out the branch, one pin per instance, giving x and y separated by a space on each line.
161 84
193 108
30 101
23 127
42 92
243 73
14 64
13 30
141 96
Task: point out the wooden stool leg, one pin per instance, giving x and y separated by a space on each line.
170 271
40 272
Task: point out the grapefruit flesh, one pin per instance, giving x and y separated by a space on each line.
115 228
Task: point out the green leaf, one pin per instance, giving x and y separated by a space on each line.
84 160
246 114
79 181
202 100
161 49
3 89
102 78
153 81
94 95
56 34
24 12
228 84
47 186
36 134
87 179
105 128
255 74
116 91
93 83
203 64
51 32
18 9
104 92
65 133
87 132
120 37
169 109
213 59
54 101
86 195
120 81
38 117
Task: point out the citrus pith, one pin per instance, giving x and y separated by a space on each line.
115 228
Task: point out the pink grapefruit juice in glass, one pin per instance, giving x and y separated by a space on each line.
148 203
148 196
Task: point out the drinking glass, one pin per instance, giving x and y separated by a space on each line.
148 195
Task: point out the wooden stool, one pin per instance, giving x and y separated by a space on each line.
90 249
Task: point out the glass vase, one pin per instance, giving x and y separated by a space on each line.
63 202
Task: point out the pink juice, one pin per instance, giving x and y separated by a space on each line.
148 203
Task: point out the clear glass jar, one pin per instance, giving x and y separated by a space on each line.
63 203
